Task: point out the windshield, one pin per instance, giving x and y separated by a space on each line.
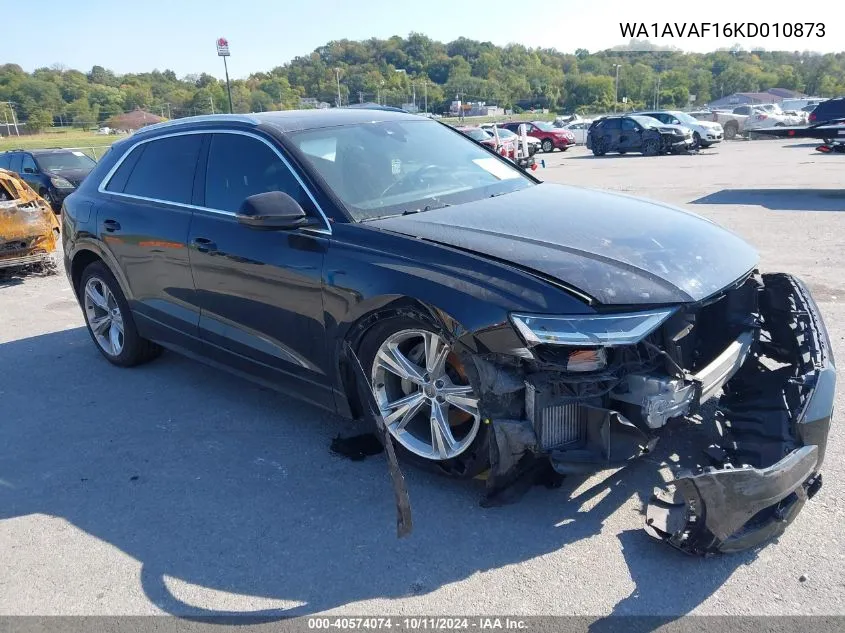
683 117
504 133
391 167
646 121
60 161
546 127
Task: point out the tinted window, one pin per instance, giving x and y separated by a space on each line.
628 125
4 161
165 169
15 165
28 165
119 178
241 166
612 124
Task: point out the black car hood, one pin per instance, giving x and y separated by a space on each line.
617 249
75 176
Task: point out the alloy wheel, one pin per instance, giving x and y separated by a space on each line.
104 317
424 396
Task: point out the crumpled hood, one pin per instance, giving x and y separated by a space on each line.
617 249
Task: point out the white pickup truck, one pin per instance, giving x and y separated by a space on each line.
745 119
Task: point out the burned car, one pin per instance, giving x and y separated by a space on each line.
636 133
29 231
497 321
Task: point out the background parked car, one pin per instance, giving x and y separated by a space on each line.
579 129
505 147
704 133
29 231
634 133
52 173
533 143
828 110
551 138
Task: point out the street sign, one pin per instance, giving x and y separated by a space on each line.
222 47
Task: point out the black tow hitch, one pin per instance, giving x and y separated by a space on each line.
774 423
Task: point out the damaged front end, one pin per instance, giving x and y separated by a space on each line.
28 228
591 393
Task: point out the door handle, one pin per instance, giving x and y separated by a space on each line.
111 225
204 245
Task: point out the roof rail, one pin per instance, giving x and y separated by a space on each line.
223 118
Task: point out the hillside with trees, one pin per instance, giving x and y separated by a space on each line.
392 70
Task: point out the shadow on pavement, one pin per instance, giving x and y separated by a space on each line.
215 482
780 199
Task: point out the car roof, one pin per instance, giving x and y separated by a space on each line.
290 120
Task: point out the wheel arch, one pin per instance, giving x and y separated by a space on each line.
87 253
366 316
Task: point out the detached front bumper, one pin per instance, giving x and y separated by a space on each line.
774 424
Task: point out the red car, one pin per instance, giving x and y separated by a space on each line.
506 148
551 137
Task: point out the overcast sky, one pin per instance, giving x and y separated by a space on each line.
180 35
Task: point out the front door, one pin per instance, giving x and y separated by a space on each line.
144 221
259 291
630 137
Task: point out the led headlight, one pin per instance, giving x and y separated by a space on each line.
61 183
592 330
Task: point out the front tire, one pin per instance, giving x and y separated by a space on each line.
109 319
651 147
548 147
425 398
731 130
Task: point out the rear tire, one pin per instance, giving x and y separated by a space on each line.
731 129
599 147
414 436
109 319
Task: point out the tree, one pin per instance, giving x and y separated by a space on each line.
39 120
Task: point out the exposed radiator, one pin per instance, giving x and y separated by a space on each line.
556 424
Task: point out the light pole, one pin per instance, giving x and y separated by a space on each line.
337 75
616 93
404 72
425 91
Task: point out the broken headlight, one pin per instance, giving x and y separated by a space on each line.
589 334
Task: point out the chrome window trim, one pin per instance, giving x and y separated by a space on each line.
107 178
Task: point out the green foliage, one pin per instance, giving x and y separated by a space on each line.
39 120
512 76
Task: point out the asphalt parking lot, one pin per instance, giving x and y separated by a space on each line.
176 488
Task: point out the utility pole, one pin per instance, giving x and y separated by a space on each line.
616 93
425 90
211 98
657 96
14 119
337 75
414 94
360 96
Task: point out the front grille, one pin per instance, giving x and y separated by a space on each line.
559 422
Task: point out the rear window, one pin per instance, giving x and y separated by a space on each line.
163 170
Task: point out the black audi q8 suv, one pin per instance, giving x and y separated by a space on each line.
496 317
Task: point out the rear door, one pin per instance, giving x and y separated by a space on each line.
144 222
260 291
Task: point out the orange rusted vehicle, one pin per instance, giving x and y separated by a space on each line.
29 231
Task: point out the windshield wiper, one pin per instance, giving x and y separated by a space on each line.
429 207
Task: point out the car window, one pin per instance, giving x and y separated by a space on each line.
28 165
628 125
15 164
241 166
5 159
612 124
389 167
164 170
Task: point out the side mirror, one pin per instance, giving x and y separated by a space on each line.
273 210
28 170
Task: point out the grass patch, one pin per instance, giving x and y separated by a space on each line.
91 143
